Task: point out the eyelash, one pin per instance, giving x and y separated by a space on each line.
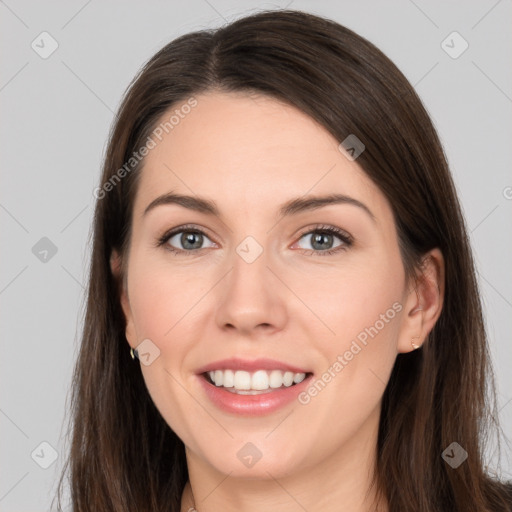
324 229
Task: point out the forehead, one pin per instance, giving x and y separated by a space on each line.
249 150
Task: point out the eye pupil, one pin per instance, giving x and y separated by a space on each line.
189 238
320 238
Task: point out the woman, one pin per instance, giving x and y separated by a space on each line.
225 365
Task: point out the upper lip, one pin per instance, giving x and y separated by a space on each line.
236 363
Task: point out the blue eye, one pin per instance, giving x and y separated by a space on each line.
192 238
322 238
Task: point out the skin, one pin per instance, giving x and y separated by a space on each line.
250 154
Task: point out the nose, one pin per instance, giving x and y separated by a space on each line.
251 298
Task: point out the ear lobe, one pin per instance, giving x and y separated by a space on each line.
117 272
424 305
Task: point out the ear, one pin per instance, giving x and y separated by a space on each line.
424 302
116 268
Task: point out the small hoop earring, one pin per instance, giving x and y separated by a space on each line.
134 353
414 346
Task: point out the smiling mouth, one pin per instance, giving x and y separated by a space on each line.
254 383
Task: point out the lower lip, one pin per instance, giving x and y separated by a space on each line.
252 405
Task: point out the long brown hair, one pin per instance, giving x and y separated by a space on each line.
123 456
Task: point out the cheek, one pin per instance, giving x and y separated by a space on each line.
362 308
162 308
160 297
353 296
358 360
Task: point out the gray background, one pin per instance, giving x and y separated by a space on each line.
56 113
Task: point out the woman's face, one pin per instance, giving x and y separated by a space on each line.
263 283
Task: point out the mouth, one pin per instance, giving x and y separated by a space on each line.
253 393
253 387
241 382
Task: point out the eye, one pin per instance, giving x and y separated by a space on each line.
323 240
190 239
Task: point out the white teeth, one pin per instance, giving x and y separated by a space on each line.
229 379
299 377
218 378
288 379
258 381
276 379
242 380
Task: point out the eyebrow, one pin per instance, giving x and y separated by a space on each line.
291 207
